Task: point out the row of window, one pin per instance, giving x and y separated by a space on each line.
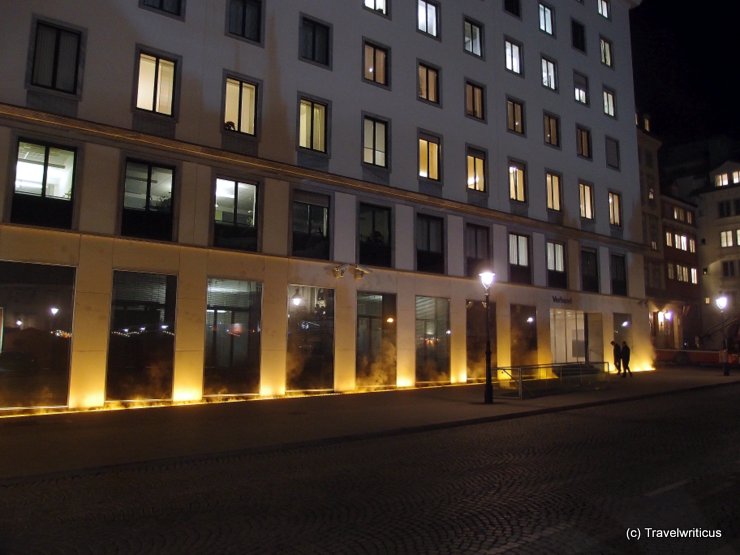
683 274
723 179
681 242
44 195
681 214
725 208
729 238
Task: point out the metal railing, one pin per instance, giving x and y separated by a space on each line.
546 379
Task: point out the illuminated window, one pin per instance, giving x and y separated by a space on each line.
240 108
379 6
546 19
476 170
513 57
44 178
721 180
736 176
580 87
428 84
694 276
692 243
583 142
556 276
375 137
235 215
375 64
474 101
549 74
671 271
609 102
427 17
515 116
603 6
315 41
586 201
679 213
473 38
606 52
312 125
551 125
725 239
429 162
668 239
615 209
56 58
156 84
553 191
517 181
519 269
245 19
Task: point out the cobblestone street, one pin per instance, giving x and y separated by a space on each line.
571 482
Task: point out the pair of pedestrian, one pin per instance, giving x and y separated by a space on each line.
622 355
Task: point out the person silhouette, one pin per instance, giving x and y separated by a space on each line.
626 359
617 357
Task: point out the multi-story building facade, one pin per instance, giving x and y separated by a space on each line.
251 197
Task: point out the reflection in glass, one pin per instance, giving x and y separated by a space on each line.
376 339
34 340
310 364
476 338
142 336
432 340
232 357
523 335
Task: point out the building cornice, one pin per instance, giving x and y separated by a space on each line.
115 136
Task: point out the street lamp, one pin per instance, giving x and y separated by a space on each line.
486 279
721 303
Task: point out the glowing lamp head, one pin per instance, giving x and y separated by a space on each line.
54 310
486 279
721 302
296 299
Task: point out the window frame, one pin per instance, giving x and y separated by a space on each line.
548 120
375 120
385 12
556 265
609 97
34 83
255 120
513 7
424 220
513 63
313 57
554 191
179 14
158 55
606 52
615 209
513 125
243 23
387 254
578 34
586 200
473 264
517 180
252 231
579 78
430 139
437 19
549 69
148 213
468 21
617 152
327 114
376 47
474 88
477 155
428 70
546 9
584 147
318 200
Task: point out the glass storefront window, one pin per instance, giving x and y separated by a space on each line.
432 340
376 339
476 338
310 365
233 327
36 303
142 337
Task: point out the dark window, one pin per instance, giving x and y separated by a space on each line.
235 215
619 274
589 271
736 202
513 7
170 6
44 184
728 268
374 231
315 41
519 267
724 209
578 35
147 201
311 225
612 152
430 252
375 142
245 19
56 58
473 38
477 250
141 348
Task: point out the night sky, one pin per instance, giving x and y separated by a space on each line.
684 58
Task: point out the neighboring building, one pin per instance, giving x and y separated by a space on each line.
252 197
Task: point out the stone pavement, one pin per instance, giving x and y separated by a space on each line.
78 442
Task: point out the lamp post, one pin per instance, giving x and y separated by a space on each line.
486 279
721 303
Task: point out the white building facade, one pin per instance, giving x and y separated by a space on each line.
251 197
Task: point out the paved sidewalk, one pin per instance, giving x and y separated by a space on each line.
64 442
